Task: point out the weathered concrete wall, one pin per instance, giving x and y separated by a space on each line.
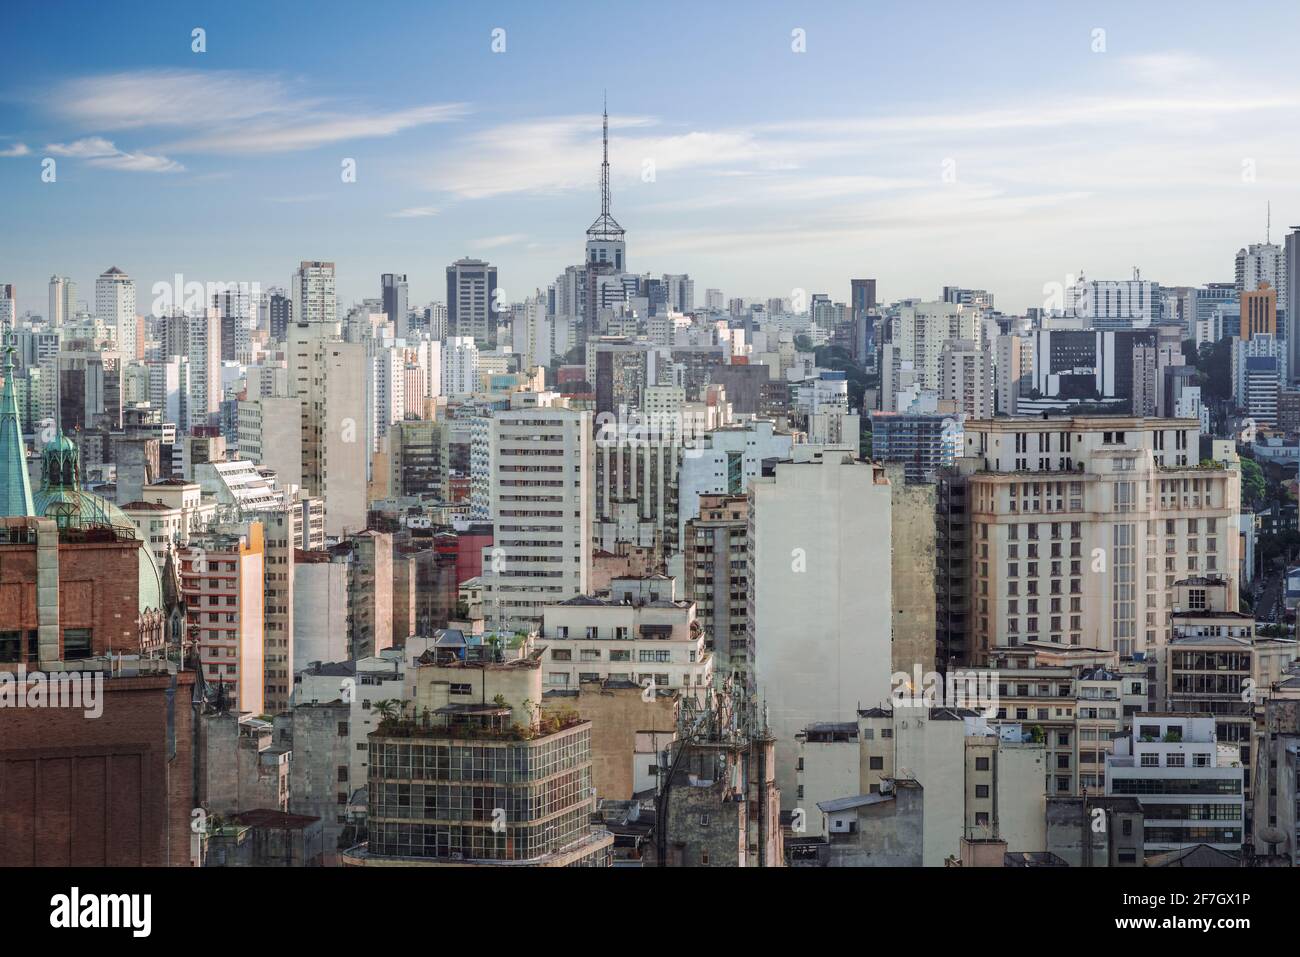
913 572
319 752
616 715
890 834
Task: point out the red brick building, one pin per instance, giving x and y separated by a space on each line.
82 603
115 791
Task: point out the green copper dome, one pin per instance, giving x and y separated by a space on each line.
62 499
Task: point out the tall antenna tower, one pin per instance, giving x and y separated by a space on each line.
605 226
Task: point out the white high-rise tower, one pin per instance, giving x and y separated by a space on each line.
313 296
115 307
63 301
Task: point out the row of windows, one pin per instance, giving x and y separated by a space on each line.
1175 786
505 763
594 654
452 802
460 842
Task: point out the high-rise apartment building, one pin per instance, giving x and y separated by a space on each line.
1214 664
1012 363
234 306
280 314
222 581
922 442
1115 304
820 596
203 345
1079 528
459 366
312 293
330 383
541 504
417 451
393 296
1259 372
921 329
717 565
115 307
679 292
966 378
471 301
1289 296
63 301
387 391
1261 262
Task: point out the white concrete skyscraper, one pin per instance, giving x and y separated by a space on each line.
203 349
459 366
680 292
1262 262
313 293
115 307
542 510
821 605
63 301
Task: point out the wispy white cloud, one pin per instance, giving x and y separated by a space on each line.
414 212
97 151
18 149
813 160
176 98
560 154
228 112
87 148
310 133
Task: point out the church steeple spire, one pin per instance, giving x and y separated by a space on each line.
15 486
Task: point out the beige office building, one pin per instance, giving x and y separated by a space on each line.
1081 526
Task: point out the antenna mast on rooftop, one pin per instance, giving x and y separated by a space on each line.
605 226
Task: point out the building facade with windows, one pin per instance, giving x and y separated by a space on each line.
474 775
1080 527
1190 787
642 633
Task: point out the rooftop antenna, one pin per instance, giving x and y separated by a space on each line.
1268 221
605 227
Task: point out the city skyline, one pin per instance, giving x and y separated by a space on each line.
755 168
607 436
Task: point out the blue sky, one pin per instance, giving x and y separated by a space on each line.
771 169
